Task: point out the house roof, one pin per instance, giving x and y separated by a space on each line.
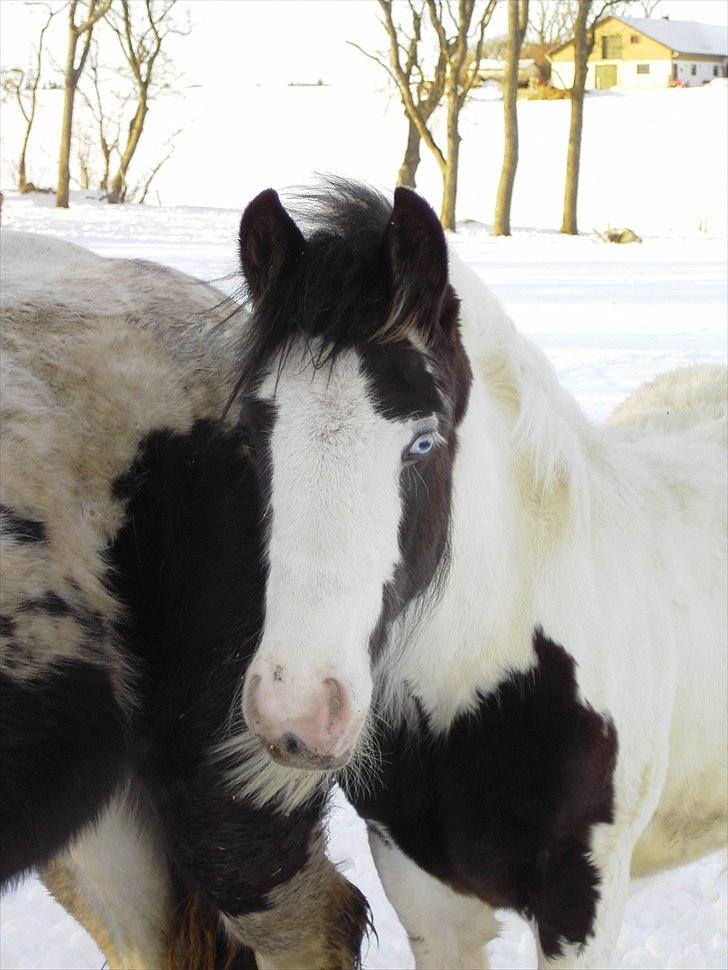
683 36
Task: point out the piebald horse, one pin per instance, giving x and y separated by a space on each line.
503 626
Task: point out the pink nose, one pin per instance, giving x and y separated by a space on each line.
313 734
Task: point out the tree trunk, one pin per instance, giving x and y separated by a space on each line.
450 171
449 190
104 181
118 183
70 81
573 156
502 218
408 169
23 184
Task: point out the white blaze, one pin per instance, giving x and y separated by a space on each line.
335 507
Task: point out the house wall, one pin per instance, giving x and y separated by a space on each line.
703 69
643 50
562 74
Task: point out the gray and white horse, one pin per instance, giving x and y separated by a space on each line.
131 596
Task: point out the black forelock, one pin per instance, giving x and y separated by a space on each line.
340 292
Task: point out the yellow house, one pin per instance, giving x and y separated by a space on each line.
643 53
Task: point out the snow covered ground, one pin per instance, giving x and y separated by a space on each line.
609 317
651 160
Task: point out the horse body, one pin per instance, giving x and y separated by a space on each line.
130 608
611 540
544 669
81 385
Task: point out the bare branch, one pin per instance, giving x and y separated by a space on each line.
97 9
141 37
414 112
373 57
152 175
478 55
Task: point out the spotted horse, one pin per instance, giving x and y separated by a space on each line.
132 589
500 626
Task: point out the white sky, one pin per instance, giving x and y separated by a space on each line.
277 41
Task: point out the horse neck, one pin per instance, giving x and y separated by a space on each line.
519 507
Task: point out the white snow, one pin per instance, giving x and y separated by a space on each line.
610 317
651 160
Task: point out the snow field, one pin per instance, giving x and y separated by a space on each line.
653 160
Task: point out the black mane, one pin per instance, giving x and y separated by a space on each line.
339 294
339 291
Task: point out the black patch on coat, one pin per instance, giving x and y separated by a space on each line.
401 386
50 603
503 805
188 568
21 528
7 626
63 750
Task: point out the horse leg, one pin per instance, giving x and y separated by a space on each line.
114 880
578 922
63 749
555 952
445 928
317 919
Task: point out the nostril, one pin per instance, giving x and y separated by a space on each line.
250 707
292 744
339 711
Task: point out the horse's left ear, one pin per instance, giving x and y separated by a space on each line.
270 242
417 254
416 243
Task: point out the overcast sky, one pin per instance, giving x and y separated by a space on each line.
278 41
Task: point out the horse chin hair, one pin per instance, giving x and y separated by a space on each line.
253 774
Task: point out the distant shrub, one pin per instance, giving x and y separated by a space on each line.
545 92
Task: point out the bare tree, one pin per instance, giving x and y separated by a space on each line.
459 39
646 8
517 24
142 38
77 32
24 90
152 174
427 91
83 144
588 15
551 22
107 118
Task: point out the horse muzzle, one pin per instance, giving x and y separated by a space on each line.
314 731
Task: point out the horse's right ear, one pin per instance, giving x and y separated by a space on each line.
270 242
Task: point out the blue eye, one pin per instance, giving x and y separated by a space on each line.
421 445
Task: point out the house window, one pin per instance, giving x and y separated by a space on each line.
634 39
643 68
612 47
715 70
693 69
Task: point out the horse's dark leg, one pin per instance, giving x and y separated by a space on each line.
312 918
260 874
63 749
